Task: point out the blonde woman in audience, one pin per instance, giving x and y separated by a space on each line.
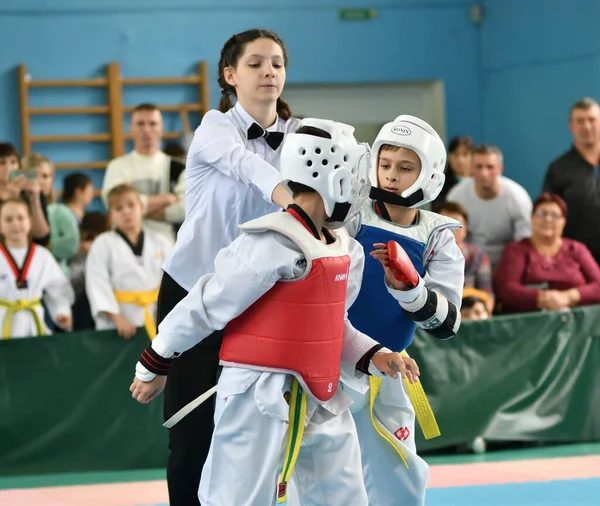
547 271
28 274
123 267
45 173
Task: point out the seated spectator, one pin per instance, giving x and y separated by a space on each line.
499 209
9 161
64 234
474 308
92 225
478 269
44 170
29 277
15 183
64 219
78 193
547 271
123 269
458 167
158 178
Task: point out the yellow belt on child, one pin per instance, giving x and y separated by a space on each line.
145 300
297 418
418 399
14 306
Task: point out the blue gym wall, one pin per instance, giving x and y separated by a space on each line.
76 38
539 56
508 81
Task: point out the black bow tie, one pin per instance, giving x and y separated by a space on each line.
273 138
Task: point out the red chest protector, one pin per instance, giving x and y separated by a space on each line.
296 327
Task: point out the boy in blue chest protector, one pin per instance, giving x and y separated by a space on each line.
407 171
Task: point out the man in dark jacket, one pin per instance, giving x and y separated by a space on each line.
574 176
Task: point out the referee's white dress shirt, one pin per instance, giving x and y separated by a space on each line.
228 180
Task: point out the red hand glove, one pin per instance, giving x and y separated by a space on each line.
401 265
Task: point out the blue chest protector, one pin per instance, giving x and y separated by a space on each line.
375 312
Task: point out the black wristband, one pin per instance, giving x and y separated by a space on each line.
363 363
155 363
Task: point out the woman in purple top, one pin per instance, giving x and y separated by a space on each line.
547 271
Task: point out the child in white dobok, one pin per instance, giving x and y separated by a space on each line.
281 291
29 274
123 268
424 290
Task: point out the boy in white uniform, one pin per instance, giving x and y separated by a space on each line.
123 269
281 291
409 159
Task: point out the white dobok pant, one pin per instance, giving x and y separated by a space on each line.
249 440
387 479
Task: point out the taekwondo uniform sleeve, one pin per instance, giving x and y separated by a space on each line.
216 144
244 272
434 304
445 272
98 286
58 292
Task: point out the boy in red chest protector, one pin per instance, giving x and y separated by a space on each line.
281 291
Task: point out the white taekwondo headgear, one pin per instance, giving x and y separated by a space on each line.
412 133
337 168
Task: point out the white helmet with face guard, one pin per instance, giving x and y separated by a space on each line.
419 136
337 167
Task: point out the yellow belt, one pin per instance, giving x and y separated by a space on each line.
423 411
14 306
297 418
145 300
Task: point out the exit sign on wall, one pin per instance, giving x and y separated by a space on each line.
356 14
